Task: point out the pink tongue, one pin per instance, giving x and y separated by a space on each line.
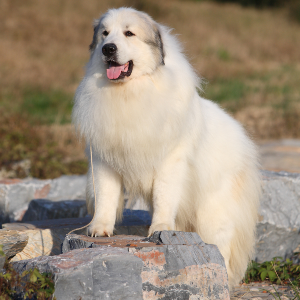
114 72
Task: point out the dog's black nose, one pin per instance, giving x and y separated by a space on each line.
109 49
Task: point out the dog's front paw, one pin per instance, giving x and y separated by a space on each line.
159 227
100 229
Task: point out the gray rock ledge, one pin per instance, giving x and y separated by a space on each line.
170 265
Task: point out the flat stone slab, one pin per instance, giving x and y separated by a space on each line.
168 265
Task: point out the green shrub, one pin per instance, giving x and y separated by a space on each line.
277 271
31 284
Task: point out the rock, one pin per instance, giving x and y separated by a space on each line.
279 224
12 242
15 194
46 237
42 209
132 267
101 273
43 237
278 227
41 242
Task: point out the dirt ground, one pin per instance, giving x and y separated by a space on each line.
262 291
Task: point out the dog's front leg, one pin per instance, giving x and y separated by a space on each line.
168 189
108 186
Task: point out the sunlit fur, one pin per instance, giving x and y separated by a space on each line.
154 135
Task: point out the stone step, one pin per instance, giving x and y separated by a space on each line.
169 265
46 237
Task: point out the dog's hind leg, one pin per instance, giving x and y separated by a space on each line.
227 218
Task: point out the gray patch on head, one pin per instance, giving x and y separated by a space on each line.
95 38
157 44
97 25
155 40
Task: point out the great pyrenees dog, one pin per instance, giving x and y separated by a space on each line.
151 133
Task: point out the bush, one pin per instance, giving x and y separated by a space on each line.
30 284
277 271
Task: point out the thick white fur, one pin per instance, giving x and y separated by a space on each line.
152 134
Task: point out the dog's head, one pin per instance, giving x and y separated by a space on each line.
129 44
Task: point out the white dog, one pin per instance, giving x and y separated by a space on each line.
151 133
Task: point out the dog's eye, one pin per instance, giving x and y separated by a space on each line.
129 33
105 33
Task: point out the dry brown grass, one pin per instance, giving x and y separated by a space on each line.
38 151
46 42
250 58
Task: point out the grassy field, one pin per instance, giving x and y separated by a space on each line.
249 60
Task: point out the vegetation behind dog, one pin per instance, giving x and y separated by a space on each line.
249 59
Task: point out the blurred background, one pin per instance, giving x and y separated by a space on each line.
247 52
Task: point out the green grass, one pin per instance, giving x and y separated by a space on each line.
277 90
227 92
40 106
47 107
223 54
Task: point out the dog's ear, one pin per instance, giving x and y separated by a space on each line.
160 44
95 36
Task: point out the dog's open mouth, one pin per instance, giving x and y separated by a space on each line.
116 71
